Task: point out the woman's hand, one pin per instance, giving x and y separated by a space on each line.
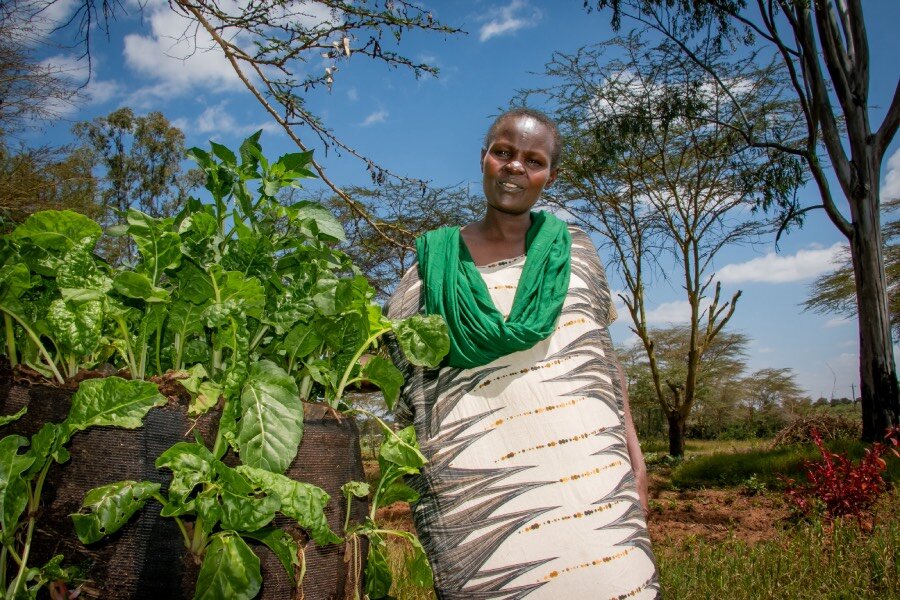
634 449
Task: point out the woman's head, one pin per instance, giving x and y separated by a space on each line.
540 117
519 160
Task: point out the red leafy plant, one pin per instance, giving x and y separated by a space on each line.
839 487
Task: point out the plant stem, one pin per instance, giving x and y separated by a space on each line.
347 515
343 384
33 505
37 342
187 538
132 366
258 337
11 352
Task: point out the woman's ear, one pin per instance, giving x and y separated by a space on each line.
552 178
481 164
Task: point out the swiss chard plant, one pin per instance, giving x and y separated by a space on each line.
248 302
399 456
24 464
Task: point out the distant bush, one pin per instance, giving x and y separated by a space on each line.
829 427
734 468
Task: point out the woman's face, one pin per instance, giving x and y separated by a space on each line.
516 166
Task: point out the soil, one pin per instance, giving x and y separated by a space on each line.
675 516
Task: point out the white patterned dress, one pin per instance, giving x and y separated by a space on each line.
529 489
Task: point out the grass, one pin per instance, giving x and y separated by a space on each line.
735 468
806 561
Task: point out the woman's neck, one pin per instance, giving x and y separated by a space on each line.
503 227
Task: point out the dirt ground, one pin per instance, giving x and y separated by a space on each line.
713 515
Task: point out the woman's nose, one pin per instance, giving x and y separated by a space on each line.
514 166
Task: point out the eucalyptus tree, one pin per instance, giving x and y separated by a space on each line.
824 48
653 166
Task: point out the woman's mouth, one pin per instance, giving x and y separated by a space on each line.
510 187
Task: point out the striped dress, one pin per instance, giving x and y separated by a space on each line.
529 490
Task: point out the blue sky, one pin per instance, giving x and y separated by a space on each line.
432 129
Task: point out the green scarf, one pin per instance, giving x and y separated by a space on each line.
455 290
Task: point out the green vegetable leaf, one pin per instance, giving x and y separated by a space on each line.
110 507
271 419
401 448
137 285
224 154
13 489
7 419
230 570
204 393
113 402
15 279
241 509
77 327
378 574
301 341
424 340
302 502
157 241
418 567
360 489
325 221
281 543
48 442
191 465
386 376
397 492
58 231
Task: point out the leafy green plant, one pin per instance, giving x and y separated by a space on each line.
399 456
249 304
109 402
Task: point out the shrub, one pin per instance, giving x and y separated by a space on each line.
770 466
828 427
839 486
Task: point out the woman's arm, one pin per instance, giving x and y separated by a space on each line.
634 447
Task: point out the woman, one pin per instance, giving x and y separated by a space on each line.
532 485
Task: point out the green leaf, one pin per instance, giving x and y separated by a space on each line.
386 376
230 570
13 489
302 502
77 327
378 573
138 285
15 280
191 465
419 570
397 492
360 489
7 419
112 402
325 221
301 341
58 231
401 448
110 507
48 442
226 155
271 419
424 340
241 509
157 241
281 543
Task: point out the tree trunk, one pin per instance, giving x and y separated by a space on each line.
877 371
676 433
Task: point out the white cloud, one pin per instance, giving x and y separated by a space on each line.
379 116
352 94
178 56
509 19
678 311
216 119
838 322
890 188
773 268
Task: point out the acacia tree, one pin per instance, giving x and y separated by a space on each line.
405 210
647 171
824 48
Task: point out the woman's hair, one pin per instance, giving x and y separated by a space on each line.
538 116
